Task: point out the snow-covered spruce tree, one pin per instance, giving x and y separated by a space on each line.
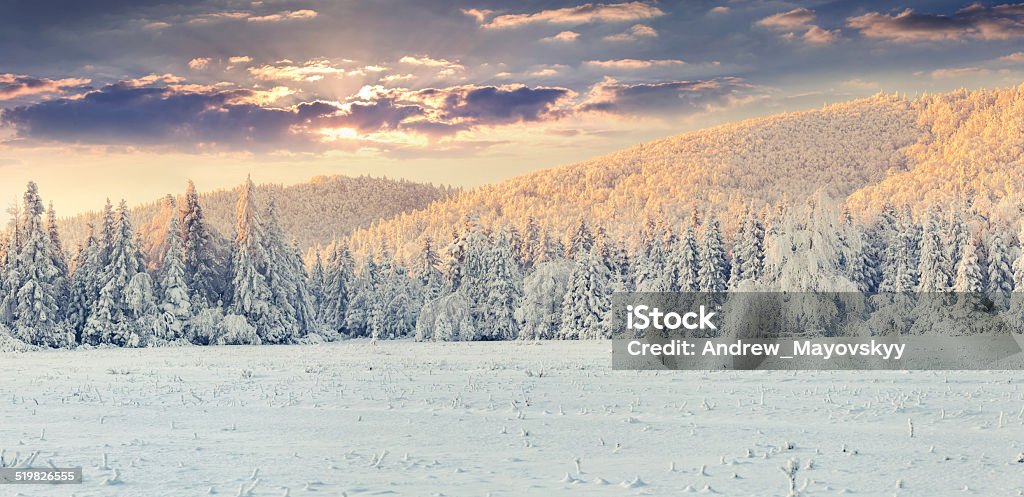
586 306
532 247
36 279
363 299
251 296
124 311
339 280
654 273
954 236
969 283
426 271
748 251
1015 315
174 302
1000 272
714 267
886 245
686 258
286 276
934 266
544 290
84 279
622 268
399 305
317 284
205 274
501 283
581 240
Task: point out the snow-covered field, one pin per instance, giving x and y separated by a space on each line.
499 419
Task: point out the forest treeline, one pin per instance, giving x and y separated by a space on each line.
485 282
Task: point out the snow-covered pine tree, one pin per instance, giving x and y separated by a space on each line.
581 240
174 303
532 244
426 271
586 306
499 291
714 266
748 251
363 299
286 276
622 264
205 274
38 280
655 271
122 315
399 305
686 259
339 279
1000 272
969 272
251 296
317 284
934 266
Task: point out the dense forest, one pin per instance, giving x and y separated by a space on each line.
483 283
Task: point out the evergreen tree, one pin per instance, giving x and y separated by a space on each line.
1000 272
203 272
286 276
748 251
359 315
686 259
37 279
174 302
339 280
934 267
427 273
969 272
580 241
122 313
586 306
714 267
317 284
251 295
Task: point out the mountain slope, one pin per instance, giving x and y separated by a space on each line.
314 212
877 149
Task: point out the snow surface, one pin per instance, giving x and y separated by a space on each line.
502 419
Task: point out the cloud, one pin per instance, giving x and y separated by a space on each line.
445 66
199 63
127 114
239 59
1014 57
819 36
632 64
312 70
958 72
634 33
663 98
479 14
13 86
860 83
721 9
794 19
294 15
976 21
197 118
564 36
581 14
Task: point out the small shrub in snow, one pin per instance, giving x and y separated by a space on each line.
235 330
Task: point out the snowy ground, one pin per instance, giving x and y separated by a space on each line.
499 419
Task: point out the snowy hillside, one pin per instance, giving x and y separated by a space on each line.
879 149
402 418
315 212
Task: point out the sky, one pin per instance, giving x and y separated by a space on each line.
129 98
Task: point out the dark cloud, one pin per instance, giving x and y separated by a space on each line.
188 116
499 105
665 98
976 21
